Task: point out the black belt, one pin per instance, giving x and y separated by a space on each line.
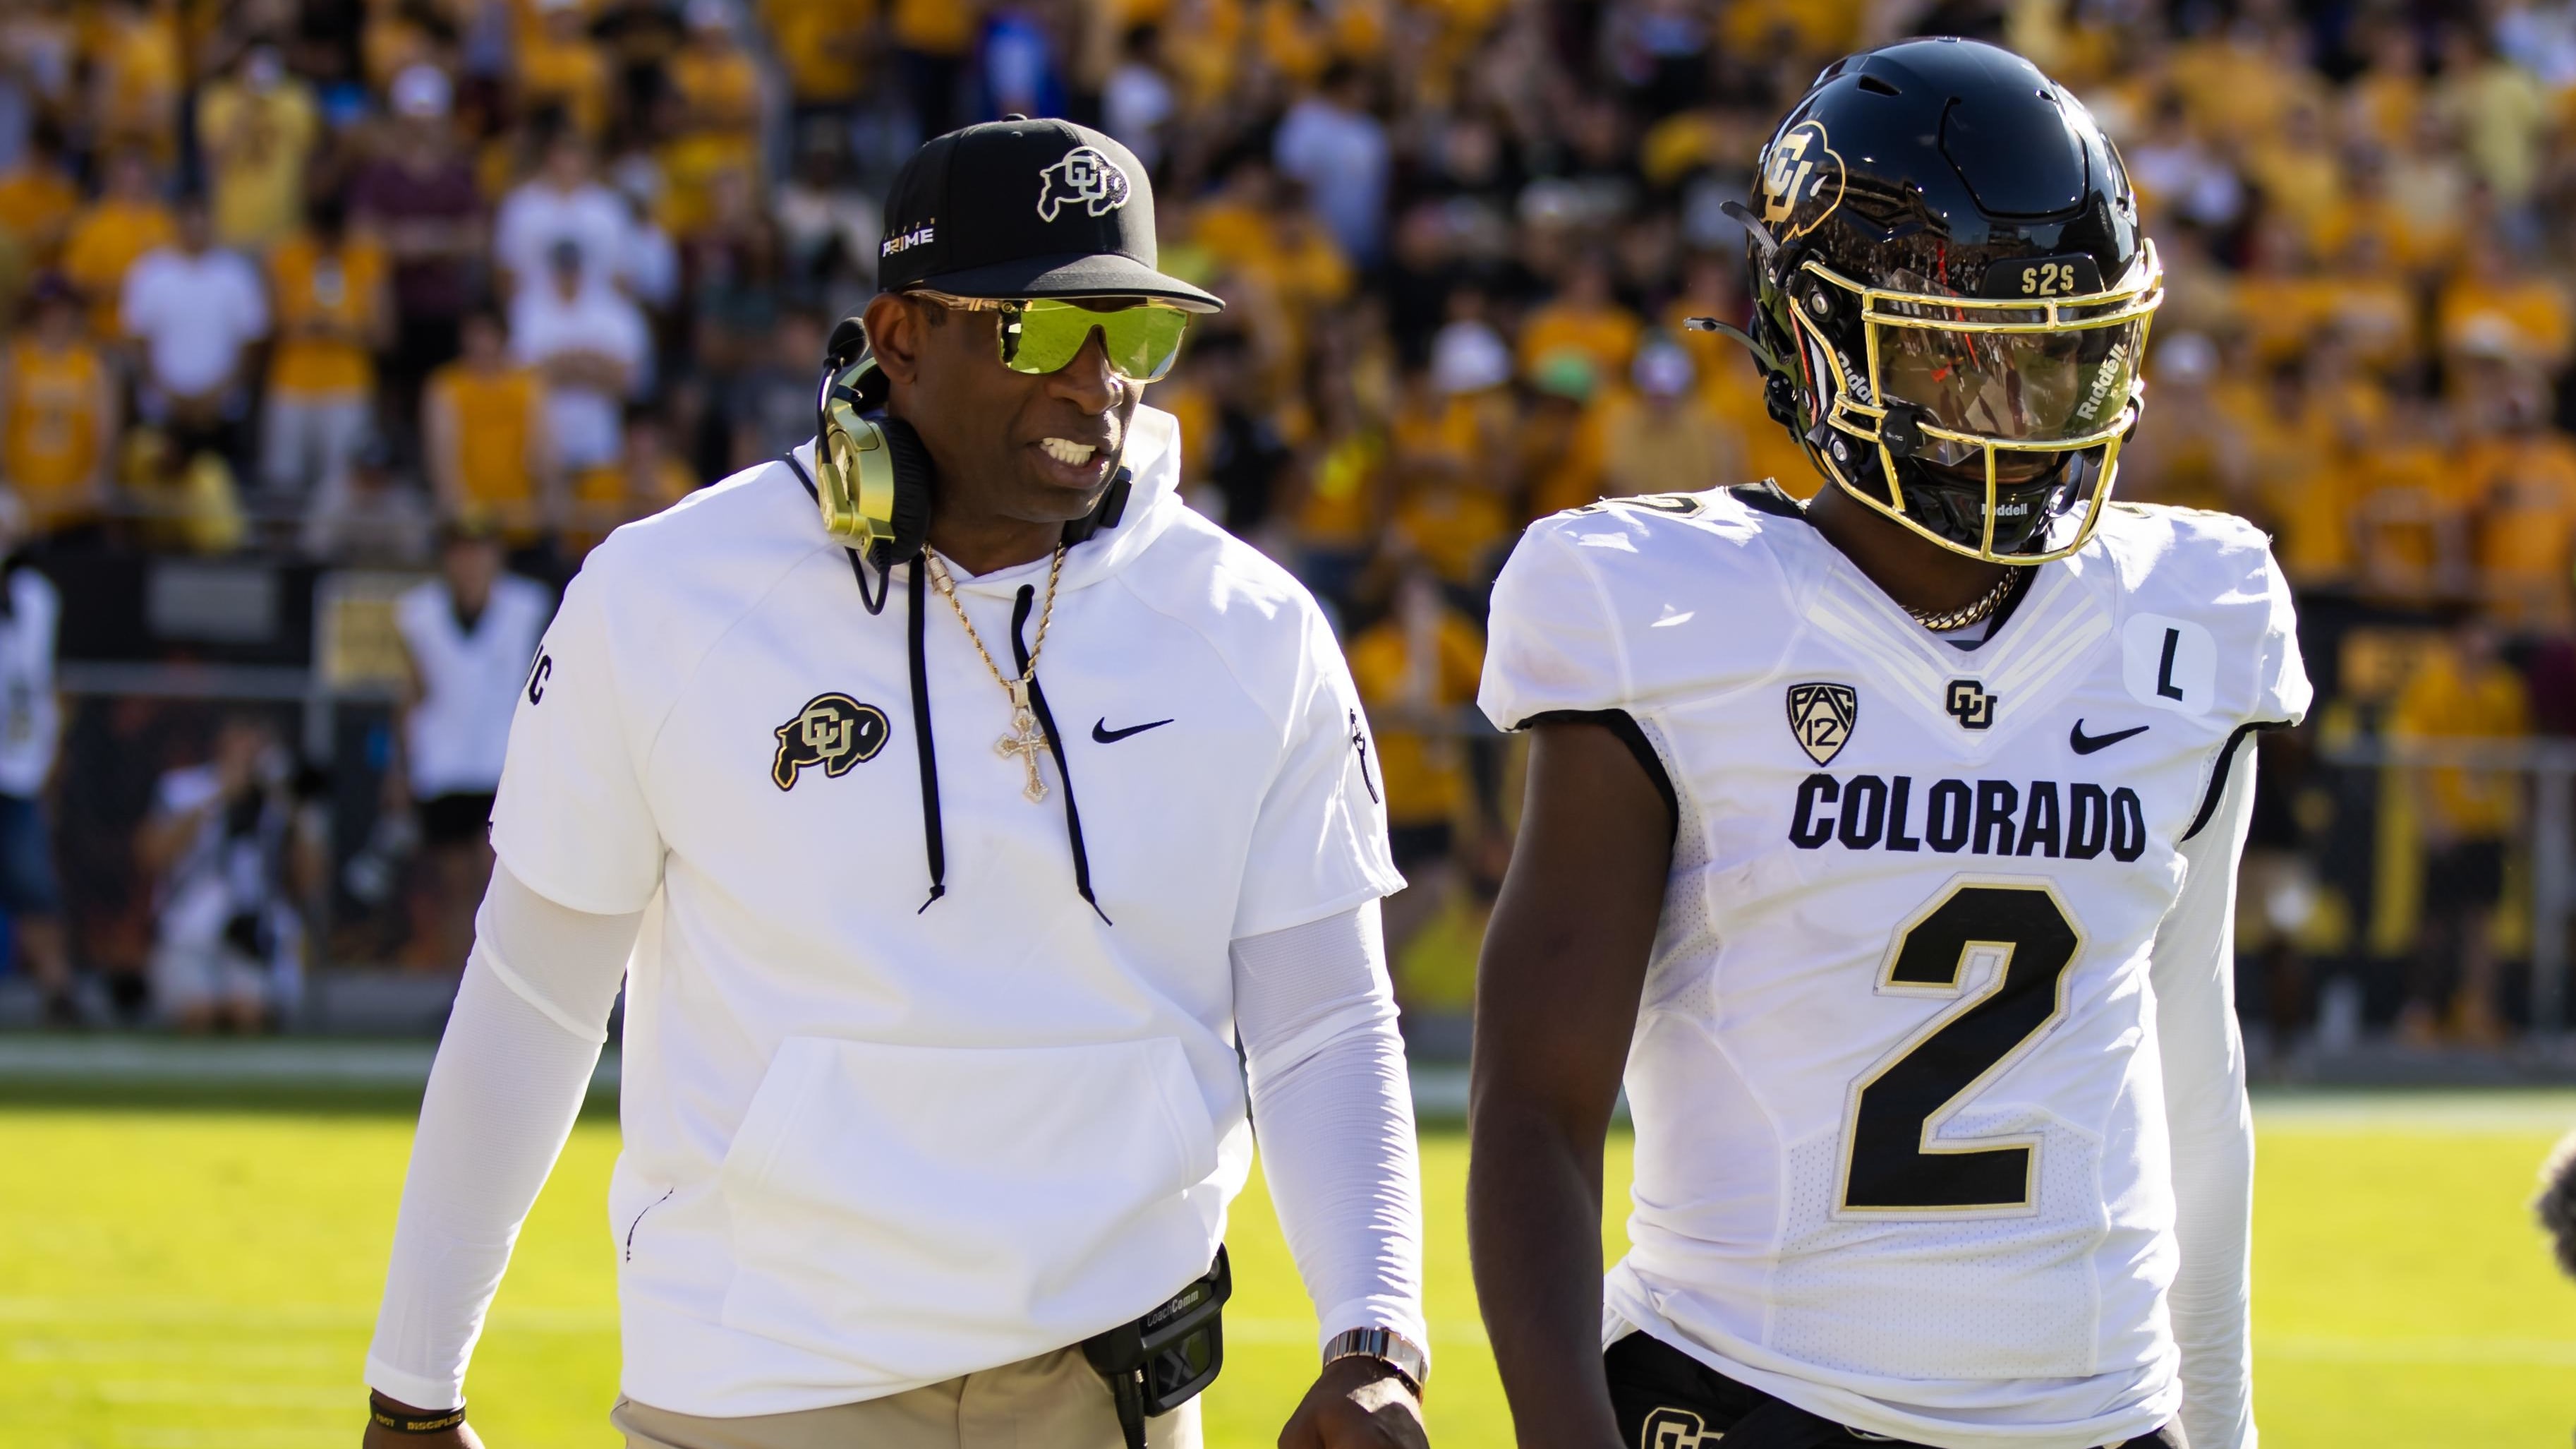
1162 1360
1666 1399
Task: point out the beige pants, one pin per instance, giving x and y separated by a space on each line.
1053 1401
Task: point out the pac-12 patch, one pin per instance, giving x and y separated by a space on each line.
832 731
1821 717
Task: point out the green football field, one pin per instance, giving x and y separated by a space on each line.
206 1280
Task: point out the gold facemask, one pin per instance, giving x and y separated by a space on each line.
1955 381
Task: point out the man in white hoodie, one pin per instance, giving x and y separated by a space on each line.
931 1103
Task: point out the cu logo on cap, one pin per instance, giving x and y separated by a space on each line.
1086 177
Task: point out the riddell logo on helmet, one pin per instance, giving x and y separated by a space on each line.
1802 170
1085 176
2114 368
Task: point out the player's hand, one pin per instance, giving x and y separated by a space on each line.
1356 1403
380 1437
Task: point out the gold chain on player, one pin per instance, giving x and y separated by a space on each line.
1025 739
1938 623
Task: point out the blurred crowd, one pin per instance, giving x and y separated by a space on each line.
319 279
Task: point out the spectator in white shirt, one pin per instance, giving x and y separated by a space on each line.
563 202
468 636
1138 98
193 310
30 728
233 852
590 342
1332 143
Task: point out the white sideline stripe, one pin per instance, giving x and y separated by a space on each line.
175 1353
2515 1111
264 1437
2474 1352
226 1396
287 1317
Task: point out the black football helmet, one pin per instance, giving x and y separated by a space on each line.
1952 295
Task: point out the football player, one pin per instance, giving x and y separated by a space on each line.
1888 845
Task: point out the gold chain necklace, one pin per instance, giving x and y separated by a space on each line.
1025 740
1962 617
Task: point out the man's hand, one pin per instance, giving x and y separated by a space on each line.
380 1437
1356 1403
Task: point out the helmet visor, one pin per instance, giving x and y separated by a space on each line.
2005 374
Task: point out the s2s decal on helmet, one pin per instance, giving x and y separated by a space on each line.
1802 178
1086 176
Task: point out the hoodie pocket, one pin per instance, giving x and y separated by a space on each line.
914 1211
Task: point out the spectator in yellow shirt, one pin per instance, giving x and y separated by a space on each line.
2491 290
2414 511
2184 452
1557 446
2463 692
128 220
334 311
258 131
646 478
58 416
1584 318
38 199
1417 670
483 431
136 72
1341 502
823 45
2526 523
1660 436
561 68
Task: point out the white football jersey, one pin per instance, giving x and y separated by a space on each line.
1901 1145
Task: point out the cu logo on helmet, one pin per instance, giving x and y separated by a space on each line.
1085 177
1802 180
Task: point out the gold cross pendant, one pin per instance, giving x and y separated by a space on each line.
1025 740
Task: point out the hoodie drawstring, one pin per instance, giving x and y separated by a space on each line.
933 838
1055 747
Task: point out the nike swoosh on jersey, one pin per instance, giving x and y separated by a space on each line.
1101 731
2084 744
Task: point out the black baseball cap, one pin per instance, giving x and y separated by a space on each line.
1022 208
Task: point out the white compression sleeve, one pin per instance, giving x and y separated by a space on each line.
512 1070
1334 1110
2194 970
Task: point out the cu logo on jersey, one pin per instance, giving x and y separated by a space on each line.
1085 176
1675 1429
1970 705
833 732
1821 718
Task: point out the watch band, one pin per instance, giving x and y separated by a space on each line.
411 1423
1387 1346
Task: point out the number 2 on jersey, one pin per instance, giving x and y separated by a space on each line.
1893 1163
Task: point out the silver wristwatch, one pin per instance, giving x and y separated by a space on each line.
1388 1347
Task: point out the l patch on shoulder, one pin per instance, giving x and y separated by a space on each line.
832 731
2169 663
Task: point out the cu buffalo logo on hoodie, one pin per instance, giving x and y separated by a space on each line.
832 732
